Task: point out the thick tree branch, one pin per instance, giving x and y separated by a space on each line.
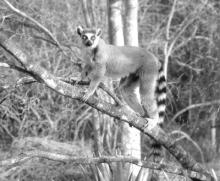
75 160
101 85
30 80
147 126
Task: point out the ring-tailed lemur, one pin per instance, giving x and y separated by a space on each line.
136 67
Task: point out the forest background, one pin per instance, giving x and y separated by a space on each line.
183 33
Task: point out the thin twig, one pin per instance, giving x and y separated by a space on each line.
169 20
166 47
185 135
43 28
7 131
190 20
197 70
15 56
111 94
193 106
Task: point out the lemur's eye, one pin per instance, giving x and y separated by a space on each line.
93 37
84 37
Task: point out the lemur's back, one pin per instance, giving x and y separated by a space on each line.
120 59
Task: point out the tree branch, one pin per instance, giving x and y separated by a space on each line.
40 26
75 160
30 80
169 20
188 21
193 106
147 126
185 135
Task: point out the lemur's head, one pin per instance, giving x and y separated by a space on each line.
90 37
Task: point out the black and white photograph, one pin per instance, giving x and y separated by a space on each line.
109 90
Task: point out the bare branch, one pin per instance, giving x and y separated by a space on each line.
12 66
75 160
214 175
111 94
193 106
30 80
197 70
101 85
24 15
147 126
188 21
184 43
170 19
185 135
5 128
25 80
169 44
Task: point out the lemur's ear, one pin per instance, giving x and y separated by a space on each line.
98 32
79 30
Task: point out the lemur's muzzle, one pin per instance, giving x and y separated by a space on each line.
89 43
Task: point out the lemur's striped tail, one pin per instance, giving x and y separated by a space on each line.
157 151
161 91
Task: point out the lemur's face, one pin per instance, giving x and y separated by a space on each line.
90 37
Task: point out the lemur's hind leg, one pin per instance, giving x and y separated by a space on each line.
128 86
148 83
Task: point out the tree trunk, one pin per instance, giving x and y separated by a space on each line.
116 37
131 22
131 136
115 22
86 13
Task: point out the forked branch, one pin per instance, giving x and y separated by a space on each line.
122 113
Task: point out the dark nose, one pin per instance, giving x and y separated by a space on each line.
88 43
